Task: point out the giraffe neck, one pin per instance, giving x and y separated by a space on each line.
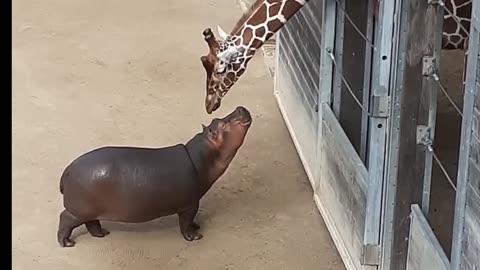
453 35
264 20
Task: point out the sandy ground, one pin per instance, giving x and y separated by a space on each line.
92 73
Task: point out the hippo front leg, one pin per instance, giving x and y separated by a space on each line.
188 228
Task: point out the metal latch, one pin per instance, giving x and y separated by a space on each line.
370 254
424 136
429 66
381 106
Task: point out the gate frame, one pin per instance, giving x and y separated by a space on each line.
465 139
414 39
378 98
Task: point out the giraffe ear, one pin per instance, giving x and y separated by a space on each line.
221 33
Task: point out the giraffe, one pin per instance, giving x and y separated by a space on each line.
230 54
454 36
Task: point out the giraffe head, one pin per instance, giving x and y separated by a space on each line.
228 56
224 64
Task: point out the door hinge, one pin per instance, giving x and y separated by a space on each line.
370 254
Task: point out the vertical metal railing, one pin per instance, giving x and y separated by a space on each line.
466 137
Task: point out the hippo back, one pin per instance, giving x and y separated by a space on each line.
129 183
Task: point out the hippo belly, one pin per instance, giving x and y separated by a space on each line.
130 184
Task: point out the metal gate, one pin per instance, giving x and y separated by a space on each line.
332 84
422 24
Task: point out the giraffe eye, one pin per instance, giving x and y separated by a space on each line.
221 69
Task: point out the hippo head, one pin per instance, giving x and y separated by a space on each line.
227 134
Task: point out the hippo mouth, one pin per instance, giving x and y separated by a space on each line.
242 115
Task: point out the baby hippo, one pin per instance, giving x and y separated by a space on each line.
133 185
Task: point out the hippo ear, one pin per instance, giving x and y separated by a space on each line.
204 128
211 134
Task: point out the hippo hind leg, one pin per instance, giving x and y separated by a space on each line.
188 228
95 229
67 223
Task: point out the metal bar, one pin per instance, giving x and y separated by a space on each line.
432 88
437 79
367 40
378 126
366 86
326 72
347 85
465 139
442 167
277 59
338 52
393 137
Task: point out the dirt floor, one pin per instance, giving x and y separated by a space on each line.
93 73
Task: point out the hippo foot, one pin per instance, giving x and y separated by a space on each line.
67 223
95 229
67 242
192 235
195 226
188 228
101 233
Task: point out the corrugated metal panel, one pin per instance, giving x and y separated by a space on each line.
300 51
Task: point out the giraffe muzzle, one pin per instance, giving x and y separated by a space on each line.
212 103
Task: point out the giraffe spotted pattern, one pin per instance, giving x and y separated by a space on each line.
228 56
454 36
